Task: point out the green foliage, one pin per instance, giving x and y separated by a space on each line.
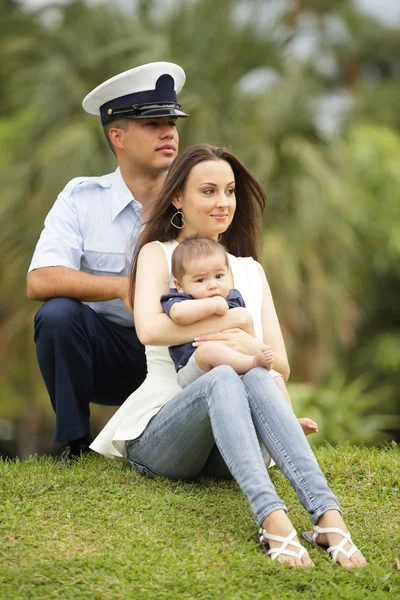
374 153
100 531
331 247
345 410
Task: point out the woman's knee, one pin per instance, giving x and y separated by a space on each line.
261 378
225 387
223 375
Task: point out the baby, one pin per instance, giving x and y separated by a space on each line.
200 267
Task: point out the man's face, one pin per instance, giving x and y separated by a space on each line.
150 143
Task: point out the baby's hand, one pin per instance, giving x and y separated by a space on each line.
221 306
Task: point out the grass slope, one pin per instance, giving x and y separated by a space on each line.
100 531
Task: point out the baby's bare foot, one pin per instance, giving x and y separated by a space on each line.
264 358
308 426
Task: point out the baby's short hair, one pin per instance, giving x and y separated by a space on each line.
193 248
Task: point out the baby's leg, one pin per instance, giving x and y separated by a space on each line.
308 425
212 354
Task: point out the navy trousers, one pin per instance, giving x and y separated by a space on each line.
84 358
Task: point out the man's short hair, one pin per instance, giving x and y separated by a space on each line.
120 123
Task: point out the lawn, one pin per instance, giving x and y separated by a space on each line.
100 531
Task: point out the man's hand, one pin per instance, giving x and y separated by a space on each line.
60 282
124 294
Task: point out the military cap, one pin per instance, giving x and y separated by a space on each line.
141 93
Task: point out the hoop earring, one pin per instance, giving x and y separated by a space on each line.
180 213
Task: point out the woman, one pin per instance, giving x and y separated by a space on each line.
216 424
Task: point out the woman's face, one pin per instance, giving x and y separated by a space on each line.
208 200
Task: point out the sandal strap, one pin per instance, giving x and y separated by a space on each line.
334 550
263 535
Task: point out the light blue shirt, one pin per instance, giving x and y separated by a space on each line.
93 227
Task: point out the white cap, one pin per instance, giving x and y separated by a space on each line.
143 92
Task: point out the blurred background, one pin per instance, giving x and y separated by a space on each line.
306 93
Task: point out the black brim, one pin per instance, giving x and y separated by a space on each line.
158 113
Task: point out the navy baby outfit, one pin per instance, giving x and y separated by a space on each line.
181 354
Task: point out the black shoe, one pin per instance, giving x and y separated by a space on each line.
72 451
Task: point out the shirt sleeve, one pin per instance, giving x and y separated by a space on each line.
61 242
235 299
173 296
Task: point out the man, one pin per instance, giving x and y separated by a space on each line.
86 343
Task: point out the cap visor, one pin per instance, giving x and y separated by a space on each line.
157 113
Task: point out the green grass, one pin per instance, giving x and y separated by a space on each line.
100 531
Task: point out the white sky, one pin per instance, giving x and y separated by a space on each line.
387 11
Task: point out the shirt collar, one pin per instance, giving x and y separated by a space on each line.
122 196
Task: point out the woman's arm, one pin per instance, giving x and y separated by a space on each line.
153 326
272 333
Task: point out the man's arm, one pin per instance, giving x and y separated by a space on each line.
58 282
191 311
55 267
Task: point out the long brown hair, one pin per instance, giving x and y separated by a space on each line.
243 236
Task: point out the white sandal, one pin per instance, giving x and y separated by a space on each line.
264 536
333 551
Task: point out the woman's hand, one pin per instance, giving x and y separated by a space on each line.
235 338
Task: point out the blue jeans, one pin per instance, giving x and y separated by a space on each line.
217 417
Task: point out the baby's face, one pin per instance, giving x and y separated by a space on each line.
206 277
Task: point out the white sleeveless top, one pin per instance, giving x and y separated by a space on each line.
161 385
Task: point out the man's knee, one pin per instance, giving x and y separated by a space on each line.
57 314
